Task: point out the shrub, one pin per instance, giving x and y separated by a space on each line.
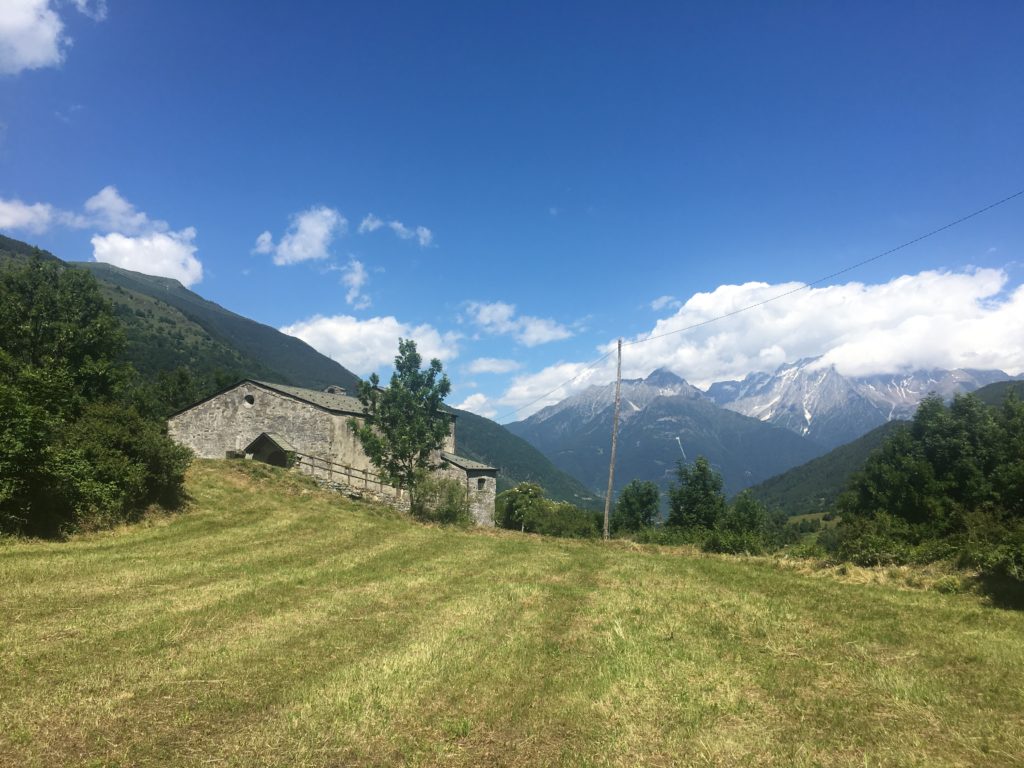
440 499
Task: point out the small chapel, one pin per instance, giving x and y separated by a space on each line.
309 430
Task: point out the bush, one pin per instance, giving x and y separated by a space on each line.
563 519
440 499
733 542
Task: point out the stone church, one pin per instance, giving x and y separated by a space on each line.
308 429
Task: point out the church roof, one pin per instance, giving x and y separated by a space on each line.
327 400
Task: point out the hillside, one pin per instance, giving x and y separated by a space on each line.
483 440
273 354
994 394
815 486
276 624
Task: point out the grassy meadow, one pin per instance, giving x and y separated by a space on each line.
274 624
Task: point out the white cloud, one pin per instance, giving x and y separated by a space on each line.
500 318
97 11
36 218
167 254
308 237
546 386
492 365
31 36
913 321
538 330
663 302
422 235
370 223
364 346
32 33
108 211
354 277
934 319
479 404
264 243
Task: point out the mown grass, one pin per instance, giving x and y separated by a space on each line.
278 625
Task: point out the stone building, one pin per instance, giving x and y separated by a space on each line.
308 429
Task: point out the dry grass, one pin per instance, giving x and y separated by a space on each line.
276 625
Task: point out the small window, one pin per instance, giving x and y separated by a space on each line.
249 401
481 483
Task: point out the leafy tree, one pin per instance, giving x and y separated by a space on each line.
696 500
405 425
73 452
637 506
517 506
950 484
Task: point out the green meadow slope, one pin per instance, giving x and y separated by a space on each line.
278 625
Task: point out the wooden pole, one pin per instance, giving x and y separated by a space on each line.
615 439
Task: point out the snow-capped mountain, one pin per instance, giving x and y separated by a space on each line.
663 419
819 403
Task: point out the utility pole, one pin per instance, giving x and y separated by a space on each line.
615 439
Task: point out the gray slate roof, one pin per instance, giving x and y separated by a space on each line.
467 464
326 400
278 439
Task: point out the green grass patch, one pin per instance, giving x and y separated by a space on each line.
278 625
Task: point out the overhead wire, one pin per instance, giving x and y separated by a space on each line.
802 287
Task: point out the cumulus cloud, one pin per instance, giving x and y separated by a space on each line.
166 254
366 345
371 223
934 319
500 318
35 218
492 365
479 404
32 33
308 238
108 210
354 277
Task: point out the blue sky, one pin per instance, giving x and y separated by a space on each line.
517 185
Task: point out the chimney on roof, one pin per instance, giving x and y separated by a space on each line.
334 389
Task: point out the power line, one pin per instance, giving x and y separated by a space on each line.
784 294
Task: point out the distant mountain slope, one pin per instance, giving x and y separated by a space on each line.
815 486
12 250
994 394
518 462
279 356
831 409
662 416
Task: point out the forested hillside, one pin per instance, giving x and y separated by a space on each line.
815 486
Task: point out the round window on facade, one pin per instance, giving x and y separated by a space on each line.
249 400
